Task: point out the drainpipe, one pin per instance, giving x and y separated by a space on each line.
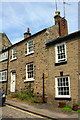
7 74
43 95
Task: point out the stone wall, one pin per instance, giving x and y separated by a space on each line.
68 69
4 41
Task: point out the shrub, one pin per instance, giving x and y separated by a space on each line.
27 95
14 95
67 108
78 110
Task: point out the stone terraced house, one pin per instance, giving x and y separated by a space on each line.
4 44
47 62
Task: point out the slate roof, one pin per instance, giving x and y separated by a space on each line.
63 38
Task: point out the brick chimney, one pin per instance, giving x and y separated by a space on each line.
27 34
62 23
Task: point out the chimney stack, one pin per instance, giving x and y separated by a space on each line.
27 34
62 24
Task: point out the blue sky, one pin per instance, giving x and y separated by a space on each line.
16 17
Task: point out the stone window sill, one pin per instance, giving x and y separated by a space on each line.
29 80
2 81
13 59
29 53
61 63
62 98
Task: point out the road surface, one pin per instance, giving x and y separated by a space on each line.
12 112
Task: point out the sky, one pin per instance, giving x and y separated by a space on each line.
16 17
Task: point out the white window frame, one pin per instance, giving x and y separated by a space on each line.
30 52
56 54
32 78
56 88
3 75
13 54
3 56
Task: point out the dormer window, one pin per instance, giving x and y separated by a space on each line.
60 50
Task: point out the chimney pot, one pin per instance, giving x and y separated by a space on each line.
28 30
27 34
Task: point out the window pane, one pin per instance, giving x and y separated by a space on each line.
30 49
30 70
5 75
61 52
30 46
59 56
30 43
13 52
27 68
63 86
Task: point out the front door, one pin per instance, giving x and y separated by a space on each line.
13 81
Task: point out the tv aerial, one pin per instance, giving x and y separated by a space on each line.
64 9
64 3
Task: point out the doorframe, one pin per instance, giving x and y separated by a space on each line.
11 81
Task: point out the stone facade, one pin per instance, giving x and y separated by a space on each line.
4 44
4 41
44 60
68 69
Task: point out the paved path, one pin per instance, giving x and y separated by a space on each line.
42 111
12 112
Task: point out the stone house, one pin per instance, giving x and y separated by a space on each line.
47 62
63 68
4 44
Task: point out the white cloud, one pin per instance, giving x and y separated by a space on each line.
17 16
24 14
10 17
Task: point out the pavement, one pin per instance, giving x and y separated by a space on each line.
44 110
